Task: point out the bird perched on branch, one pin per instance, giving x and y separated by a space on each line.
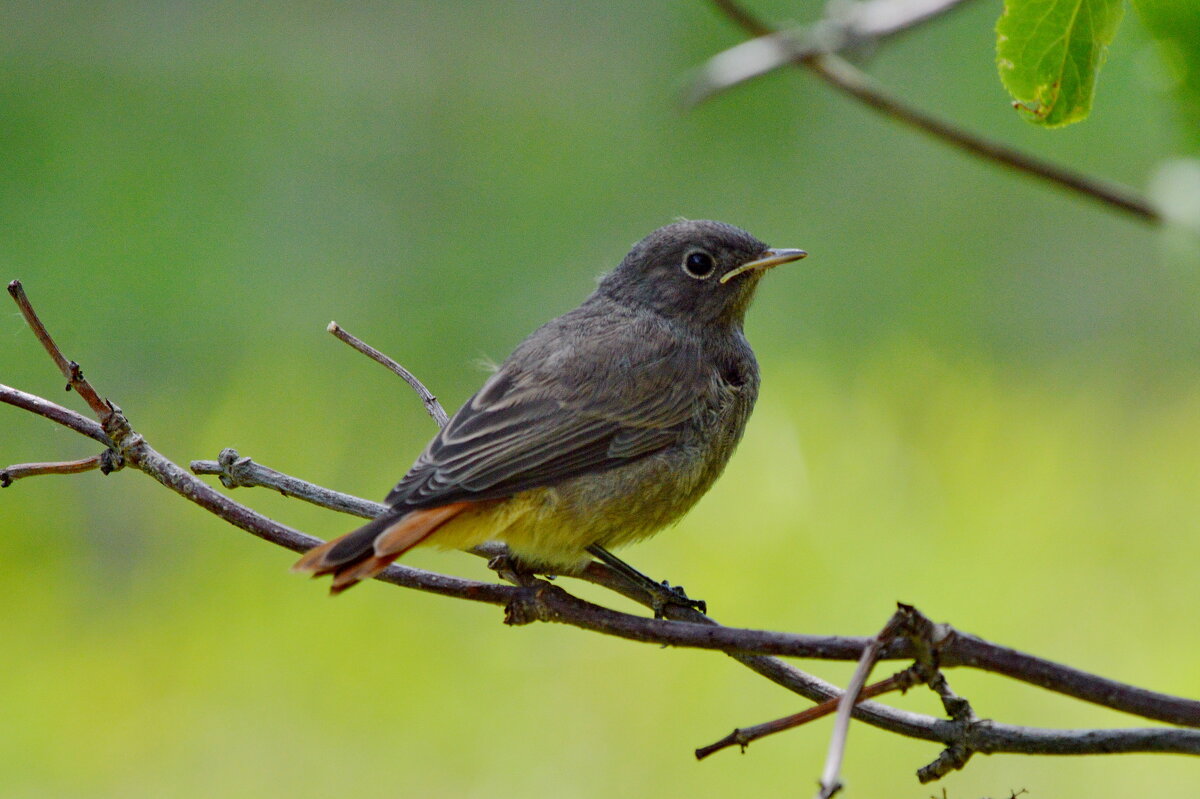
604 425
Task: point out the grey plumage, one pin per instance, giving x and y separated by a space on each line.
606 423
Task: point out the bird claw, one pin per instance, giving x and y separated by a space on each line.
511 568
674 595
662 594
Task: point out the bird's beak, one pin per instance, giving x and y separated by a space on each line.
765 260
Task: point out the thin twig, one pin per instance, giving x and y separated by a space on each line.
432 406
54 412
744 736
925 636
842 75
830 781
11 474
239 472
69 369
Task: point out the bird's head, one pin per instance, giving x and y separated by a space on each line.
696 270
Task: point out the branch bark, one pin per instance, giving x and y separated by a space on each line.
538 600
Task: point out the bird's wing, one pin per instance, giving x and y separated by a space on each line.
558 412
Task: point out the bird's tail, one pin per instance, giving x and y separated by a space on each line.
363 553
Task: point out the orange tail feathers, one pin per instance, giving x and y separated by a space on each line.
363 553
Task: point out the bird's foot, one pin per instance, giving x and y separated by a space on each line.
512 568
662 594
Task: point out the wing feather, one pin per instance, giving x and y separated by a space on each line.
554 411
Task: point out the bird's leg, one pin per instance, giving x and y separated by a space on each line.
662 594
512 568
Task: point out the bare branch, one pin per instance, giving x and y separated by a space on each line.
546 602
830 782
875 20
538 600
432 406
236 471
744 736
55 413
848 79
953 648
11 474
69 369
846 26
968 650
140 454
924 634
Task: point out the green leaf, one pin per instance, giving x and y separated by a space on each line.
1175 26
1049 51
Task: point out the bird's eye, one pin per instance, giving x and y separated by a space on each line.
699 264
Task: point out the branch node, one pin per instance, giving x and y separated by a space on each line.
116 426
926 638
828 791
74 374
234 469
952 758
111 460
526 606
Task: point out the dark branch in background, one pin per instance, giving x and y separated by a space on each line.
815 49
847 26
933 646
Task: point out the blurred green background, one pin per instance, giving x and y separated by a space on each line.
980 396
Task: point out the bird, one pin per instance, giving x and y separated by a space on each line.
604 426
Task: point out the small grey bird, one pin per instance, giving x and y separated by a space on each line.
603 426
